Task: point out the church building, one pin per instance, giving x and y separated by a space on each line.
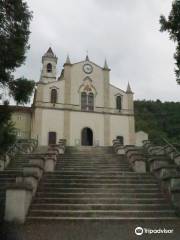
81 105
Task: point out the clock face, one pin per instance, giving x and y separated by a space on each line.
87 68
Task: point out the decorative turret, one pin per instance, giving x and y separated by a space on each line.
49 61
130 98
129 91
87 58
68 61
106 66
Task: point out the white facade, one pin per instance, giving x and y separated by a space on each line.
59 107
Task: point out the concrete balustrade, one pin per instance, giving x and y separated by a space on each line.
29 178
118 147
158 150
18 200
33 168
136 158
155 162
130 152
50 164
177 159
19 195
139 165
175 193
165 171
137 162
39 161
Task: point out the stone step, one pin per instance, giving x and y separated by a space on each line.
98 185
100 181
91 169
118 174
102 213
76 177
159 200
97 195
100 190
103 172
133 206
108 164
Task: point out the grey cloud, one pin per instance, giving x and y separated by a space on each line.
126 32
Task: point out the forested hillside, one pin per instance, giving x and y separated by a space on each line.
158 119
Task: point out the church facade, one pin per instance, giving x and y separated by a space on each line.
81 105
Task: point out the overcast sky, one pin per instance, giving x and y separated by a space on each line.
126 32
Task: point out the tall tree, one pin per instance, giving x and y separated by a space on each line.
172 26
15 18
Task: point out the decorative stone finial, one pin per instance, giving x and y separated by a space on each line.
87 58
129 89
106 65
68 61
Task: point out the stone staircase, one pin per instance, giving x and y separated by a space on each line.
8 176
93 183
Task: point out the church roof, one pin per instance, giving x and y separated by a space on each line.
49 53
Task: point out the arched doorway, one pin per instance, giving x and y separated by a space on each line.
87 137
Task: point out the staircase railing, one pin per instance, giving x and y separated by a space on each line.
166 143
170 145
20 146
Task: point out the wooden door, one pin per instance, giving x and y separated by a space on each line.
52 138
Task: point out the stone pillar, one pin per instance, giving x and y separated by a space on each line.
67 126
106 130
132 136
106 90
67 100
18 200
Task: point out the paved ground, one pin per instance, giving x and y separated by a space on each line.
88 230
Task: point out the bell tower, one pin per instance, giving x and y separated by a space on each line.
49 62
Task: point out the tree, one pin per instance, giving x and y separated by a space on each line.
21 90
172 26
15 18
7 135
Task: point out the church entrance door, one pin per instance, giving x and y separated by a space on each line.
52 138
87 137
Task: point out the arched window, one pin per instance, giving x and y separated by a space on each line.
83 101
87 101
118 103
49 67
91 101
53 96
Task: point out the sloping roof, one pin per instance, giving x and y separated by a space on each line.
17 108
49 53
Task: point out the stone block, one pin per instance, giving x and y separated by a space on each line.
33 169
51 155
175 183
37 161
50 164
177 159
139 166
18 200
2 164
157 163
120 151
166 171
175 200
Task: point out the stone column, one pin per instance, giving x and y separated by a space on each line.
106 130
106 90
67 100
